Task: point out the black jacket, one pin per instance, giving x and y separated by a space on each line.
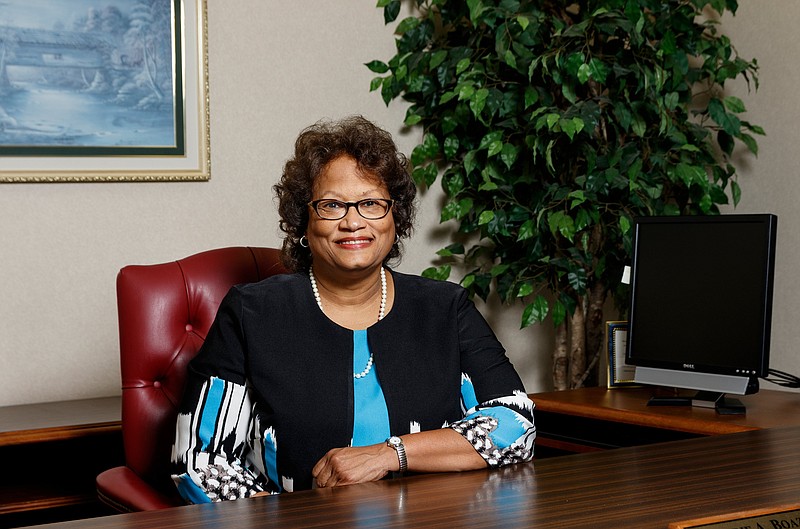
298 364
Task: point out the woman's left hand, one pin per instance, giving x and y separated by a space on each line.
345 466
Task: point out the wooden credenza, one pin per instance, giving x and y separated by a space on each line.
51 454
593 419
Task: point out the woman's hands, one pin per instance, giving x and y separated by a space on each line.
346 466
442 450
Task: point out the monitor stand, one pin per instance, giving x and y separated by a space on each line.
703 399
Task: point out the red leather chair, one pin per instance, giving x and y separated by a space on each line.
164 312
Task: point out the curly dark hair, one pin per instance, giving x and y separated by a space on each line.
374 151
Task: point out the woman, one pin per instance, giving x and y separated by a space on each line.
346 370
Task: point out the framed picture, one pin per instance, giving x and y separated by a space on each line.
619 373
103 92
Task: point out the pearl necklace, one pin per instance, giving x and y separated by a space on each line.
381 312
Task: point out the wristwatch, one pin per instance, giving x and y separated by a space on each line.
397 443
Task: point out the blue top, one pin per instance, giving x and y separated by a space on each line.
371 421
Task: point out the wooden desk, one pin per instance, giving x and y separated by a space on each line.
51 454
637 487
590 419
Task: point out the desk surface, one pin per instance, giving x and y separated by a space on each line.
638 487
53 421
765 409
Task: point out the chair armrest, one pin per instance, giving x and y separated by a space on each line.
123 490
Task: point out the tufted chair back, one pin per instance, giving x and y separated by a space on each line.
165 311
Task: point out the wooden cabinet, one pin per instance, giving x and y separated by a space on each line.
592 419
51 453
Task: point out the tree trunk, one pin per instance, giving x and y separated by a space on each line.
595 331
577 339
560 358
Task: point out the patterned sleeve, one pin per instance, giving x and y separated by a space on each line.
501 430
210 442
498 415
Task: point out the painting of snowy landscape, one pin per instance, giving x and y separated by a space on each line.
86 77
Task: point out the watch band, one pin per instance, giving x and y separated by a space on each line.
397 443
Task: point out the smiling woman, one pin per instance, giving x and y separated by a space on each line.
346 370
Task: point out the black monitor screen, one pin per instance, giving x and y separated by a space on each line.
701 293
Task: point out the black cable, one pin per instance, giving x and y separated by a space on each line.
782 378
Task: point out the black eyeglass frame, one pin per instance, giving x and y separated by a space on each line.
388 201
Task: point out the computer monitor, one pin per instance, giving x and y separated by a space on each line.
701 305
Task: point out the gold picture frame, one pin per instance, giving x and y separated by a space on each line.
173 142
619 373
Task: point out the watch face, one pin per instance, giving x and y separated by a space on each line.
395 441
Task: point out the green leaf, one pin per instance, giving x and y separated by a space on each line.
527 230
431 171
375 84
499 269
447 96
491 139
465 91
584 73
691 174
486 217
535 312
577 280
411 118
437 58
468 280
598 70
478 101
430 146
525 289
418 175
476 9
390 11
736 192
671 100
639 126
470 163
377 66
494 148
531 96
523 22
559 313
561 223
450 147
406 25
509 154
456 209
729 123
750 141
462 65
578 197
624 224
453 249
571 126
734 104
510 59
567 127
440 274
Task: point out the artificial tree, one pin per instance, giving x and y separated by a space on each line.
553 124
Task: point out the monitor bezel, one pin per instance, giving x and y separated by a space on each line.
769 223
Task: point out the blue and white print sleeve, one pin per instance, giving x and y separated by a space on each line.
210 444
501 430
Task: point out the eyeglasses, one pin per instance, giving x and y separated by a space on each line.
369 208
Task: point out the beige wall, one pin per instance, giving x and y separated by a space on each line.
276 67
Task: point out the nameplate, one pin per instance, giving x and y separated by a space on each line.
785 517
